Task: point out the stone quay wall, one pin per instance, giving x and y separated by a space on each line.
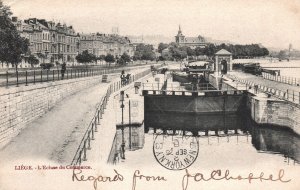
275 112
21 105
264 110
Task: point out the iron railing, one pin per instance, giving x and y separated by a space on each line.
192 93
283 79
89 135
288 95
38 76
171 87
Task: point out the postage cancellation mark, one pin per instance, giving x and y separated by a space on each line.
175 152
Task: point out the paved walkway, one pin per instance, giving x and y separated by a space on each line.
277 89
56 135
265 82
102 145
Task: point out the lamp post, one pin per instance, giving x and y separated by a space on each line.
122 125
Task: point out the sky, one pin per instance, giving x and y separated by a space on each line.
274 23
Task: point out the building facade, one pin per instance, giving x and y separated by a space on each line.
49 42
103 44
191 42
52 42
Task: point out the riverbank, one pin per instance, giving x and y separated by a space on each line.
270 102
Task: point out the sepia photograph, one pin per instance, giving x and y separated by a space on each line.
149 95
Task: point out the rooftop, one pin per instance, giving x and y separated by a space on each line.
223 52
198 39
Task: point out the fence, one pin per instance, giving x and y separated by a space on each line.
192 93
37 76
282 79
85 144
288 95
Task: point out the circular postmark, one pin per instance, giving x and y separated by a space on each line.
175 152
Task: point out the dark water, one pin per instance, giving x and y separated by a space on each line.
220 137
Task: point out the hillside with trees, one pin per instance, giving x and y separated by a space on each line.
238 51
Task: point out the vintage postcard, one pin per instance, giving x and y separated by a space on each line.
149 94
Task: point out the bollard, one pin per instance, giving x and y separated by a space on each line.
53 75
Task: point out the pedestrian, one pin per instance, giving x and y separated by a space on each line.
63 70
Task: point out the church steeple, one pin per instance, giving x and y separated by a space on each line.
179 30
179 38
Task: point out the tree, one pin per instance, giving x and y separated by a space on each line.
179 54
199 51
46 65
282 55
109 58
121 61
265 51
100 58
210 50
190 51
126 57
162 46
144 52
12 45
41 56
85 57
32 60
148 56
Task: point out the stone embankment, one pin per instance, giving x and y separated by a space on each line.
270 102
22 105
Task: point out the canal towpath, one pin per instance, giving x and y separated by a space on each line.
281 90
